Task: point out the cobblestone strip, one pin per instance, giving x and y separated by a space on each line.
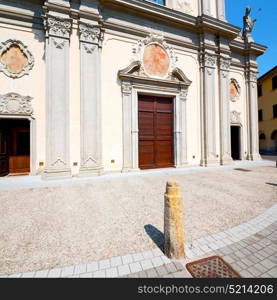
250 246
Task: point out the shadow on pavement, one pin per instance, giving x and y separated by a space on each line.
156 235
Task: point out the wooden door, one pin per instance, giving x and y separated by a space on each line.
19 160
155 119
4 156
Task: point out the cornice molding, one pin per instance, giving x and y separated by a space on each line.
15 104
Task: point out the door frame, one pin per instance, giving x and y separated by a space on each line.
130 124
32 138
241 152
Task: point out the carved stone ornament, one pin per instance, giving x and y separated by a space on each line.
15 104
90 33
235 90
209 60
56 26
235 117
224 63
15 58
182 5
157 58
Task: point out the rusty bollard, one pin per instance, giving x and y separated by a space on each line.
173 222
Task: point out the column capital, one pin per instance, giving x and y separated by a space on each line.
90 33
126 88
58 26
208 60
224 63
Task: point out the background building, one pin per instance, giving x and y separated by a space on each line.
267 102
93 86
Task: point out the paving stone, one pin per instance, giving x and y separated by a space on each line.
246 274
111 273
133 275
269 250
99 274
171 268
253 258
254 271
161 270
67 271
126 259
260 267
104 264
229 259
146 264
266 275
116 261
54 273
123 270
247 262
157 252
142 274
80 269
19 275
135 267
41 274
28 275
268 264
148 254
273 259
178 265
273 272
152 273
137 257
168 276
165 259
181 274
157 261
240 264
92 267
86 275
239 254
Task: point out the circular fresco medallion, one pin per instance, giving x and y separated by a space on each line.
155 61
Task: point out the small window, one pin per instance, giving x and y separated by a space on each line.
274 83
275 111
260 115
260 90
161 2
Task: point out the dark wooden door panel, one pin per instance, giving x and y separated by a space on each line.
155 120
4 158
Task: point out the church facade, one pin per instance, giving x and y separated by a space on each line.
95 86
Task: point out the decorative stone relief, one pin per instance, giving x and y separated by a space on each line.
157 57
57 26
15 59
235 89
209 60
90 33
15 104
126 88
183 5
224 63
235 117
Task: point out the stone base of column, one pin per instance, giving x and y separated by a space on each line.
255 156
90 172
210 163
128 170
49 174
226 160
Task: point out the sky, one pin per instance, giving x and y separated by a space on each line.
265 30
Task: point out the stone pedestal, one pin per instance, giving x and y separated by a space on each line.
173 222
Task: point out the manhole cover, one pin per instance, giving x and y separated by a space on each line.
211 267
242 170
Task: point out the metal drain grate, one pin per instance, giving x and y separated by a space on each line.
211 267
242 170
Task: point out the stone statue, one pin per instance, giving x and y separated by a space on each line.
248 25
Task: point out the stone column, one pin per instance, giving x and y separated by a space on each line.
224 110
90 45
58 29
127 126
251 83
208 137
173 222
183 128
220 6
206 7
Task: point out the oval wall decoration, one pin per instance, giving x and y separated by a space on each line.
234 89
155 61
15 59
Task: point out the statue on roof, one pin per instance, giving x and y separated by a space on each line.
248 24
